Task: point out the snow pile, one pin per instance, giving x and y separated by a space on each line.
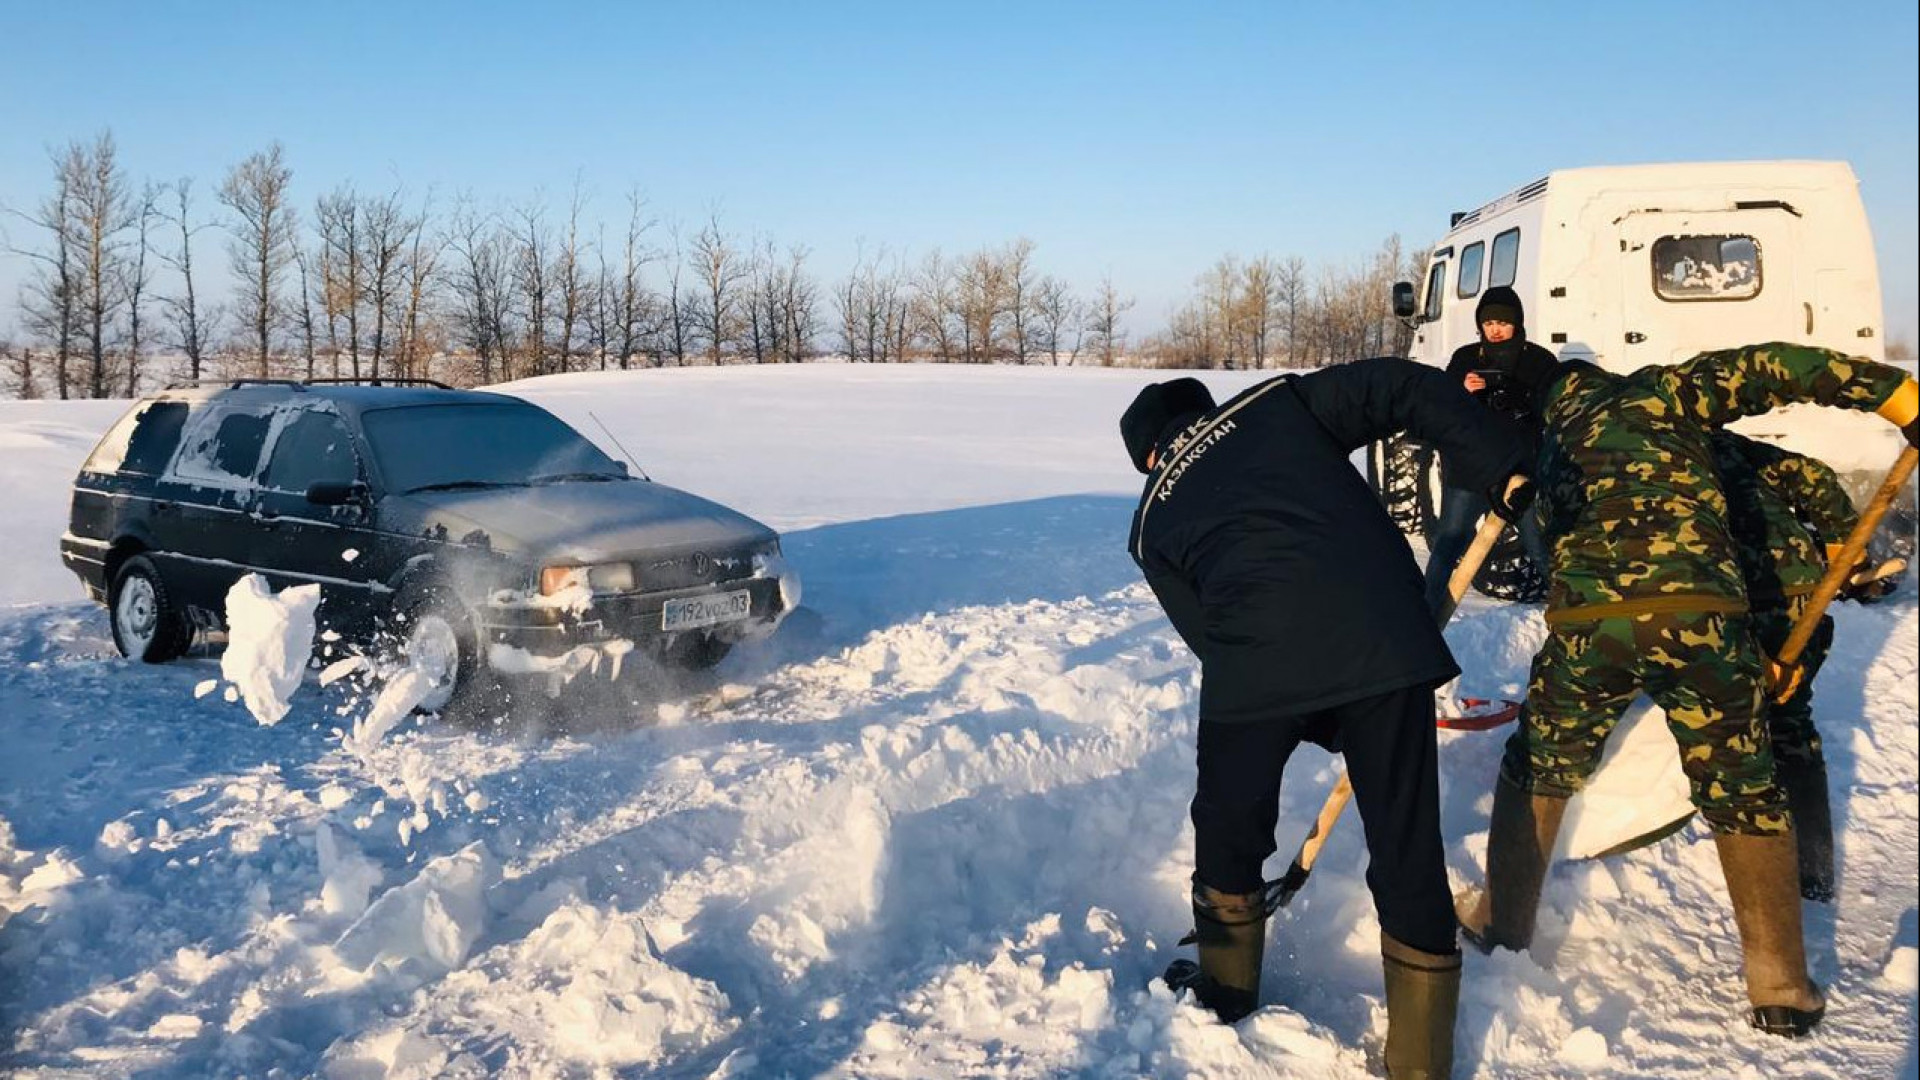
936 826
269 642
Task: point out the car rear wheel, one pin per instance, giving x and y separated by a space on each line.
147 623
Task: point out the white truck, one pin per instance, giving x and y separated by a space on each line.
1632 265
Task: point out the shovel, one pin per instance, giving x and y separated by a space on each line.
1785 671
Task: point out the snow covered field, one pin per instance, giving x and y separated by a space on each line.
936 827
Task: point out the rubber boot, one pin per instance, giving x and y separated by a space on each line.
1805 782
1230 930
1423 995
1761 874
1520 838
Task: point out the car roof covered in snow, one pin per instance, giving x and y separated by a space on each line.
345 397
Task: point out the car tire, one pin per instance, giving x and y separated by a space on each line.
434 633
148 624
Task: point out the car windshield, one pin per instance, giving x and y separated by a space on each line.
427 447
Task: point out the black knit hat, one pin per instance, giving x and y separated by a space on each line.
1157 411
1502 303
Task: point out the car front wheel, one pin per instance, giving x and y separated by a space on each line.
148 624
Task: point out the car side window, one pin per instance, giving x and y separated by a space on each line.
314 447
222 445
143 442
1506 258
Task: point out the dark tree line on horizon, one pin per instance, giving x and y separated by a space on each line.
119 298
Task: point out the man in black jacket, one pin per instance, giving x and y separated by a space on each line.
1280 569
1503 370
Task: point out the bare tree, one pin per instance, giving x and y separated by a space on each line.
1056 317
1016 276
631 304
303 316
421 263
482 287
1103 321
263 240
799 307
343 279
674 332
100 216
192 325
535 284
980 295
138 280
721 271
936 304
49 301
1290 301
569 280
1259 307
17 362
384 235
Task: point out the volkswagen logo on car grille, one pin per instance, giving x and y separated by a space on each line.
702 565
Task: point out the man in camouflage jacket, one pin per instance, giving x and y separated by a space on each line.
1646 595
1789 515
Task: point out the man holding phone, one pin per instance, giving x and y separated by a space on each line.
1502 370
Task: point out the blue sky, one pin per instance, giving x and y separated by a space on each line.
1140 140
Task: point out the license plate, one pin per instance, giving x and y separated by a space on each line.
692 612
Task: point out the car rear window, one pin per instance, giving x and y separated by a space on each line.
439 446
142 441
223 444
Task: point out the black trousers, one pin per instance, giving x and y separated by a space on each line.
1392 760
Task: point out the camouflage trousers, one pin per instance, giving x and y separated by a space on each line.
1704 669
1790 722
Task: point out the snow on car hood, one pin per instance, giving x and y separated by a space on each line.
588 521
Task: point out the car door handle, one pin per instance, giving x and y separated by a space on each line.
1635 337
165 506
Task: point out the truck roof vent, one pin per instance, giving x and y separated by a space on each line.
1531 190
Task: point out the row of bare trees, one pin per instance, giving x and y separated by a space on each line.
384 285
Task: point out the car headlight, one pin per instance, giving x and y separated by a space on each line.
599 578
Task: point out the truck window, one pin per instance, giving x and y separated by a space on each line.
1506 258
313 447
1436 289
142 442
1471 257
1706 267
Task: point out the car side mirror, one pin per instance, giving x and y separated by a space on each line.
1403 300
624 471
336 492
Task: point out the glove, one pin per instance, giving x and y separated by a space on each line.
1782 679
1902 410
1510 497
1868 583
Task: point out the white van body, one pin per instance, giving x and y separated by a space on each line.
1632 265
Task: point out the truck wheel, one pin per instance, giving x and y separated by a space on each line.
147 624
1508 574
1403 474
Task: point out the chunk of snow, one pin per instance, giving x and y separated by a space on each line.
269 639
427 925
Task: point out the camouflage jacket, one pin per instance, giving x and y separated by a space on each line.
1782 508
1632 505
